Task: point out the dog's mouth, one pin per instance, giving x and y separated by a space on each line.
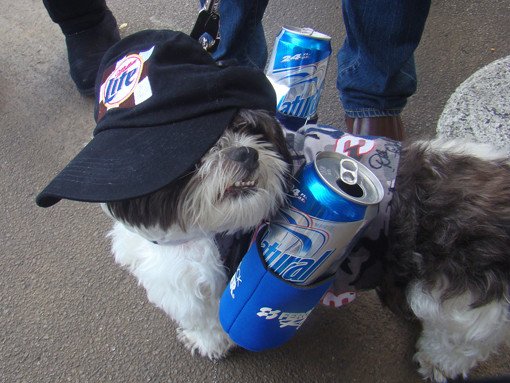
240 188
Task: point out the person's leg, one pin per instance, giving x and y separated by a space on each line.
241 32
76 15
376 71
90 29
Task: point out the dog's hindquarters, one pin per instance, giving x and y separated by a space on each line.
455 336
449 252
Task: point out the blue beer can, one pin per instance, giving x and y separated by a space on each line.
332 201
297 70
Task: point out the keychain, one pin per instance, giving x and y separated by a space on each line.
207 26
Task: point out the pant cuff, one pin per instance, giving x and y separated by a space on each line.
370 112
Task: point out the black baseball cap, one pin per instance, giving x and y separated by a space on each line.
161 103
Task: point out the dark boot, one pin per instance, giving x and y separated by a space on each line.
85 50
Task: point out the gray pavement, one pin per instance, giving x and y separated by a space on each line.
67 313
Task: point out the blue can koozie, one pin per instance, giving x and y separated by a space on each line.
260 310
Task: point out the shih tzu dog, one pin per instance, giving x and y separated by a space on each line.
188 159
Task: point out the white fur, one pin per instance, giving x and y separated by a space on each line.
185 281
459 146
455 337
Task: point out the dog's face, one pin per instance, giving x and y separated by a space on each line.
241 181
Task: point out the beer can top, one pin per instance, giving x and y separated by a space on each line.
366 190
307 32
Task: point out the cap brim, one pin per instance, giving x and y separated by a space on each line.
120 164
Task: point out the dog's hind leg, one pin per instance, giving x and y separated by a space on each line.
455 336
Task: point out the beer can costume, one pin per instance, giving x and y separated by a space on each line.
260 309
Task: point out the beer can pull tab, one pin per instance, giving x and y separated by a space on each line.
349 171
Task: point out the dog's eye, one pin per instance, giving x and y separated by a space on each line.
249 129
239 128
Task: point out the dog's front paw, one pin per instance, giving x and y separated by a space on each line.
211 343
430 370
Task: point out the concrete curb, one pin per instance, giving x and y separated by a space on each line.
479 109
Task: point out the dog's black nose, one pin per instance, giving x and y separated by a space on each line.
246 156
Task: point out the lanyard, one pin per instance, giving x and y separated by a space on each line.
207 26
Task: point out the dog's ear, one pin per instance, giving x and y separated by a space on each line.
263 123
156 209
279 141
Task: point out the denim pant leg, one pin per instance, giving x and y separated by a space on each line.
241 32
376 71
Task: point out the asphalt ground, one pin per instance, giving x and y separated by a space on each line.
68 313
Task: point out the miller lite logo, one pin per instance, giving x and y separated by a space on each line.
126 83
123 80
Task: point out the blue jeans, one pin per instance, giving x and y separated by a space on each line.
241 33
376 71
